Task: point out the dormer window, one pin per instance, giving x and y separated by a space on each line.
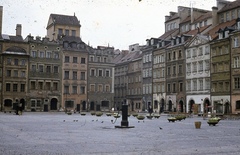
177 41
147 42
238 23
152 41
172 42
163 44
226 34
220 34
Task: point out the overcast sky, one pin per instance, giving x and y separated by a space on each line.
118 23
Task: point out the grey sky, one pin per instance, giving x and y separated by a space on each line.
118 23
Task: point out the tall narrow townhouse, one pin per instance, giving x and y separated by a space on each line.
175 74
227 13
235 70
66 30
147 72
134 74
45 75
198 74
120 78
101 79
159 76
14 56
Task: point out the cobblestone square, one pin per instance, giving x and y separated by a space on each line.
57 133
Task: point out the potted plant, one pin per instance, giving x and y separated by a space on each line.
93 113
135 114
69 112
140 117
213 121
171 119
156 115
83 113
109 114
99 114
117 115
149 116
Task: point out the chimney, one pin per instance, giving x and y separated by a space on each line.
19 30
214 16
1 14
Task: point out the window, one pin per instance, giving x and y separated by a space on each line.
16 62
227 16
100 73
66 89
100 88
74 75
180 69
74 33
200 65
41 54
22 88
55 86
200 51
174 70
236 62
188 85
194 67
169 56
194 52
98 59
9 61
48 55
55 69
92 72
200 84
34 68
83 76
8 85
40 68
238 104
236 42
169 71
83 60
67 32
66 58
237 83
195 85
169 87
60 32
188 53
207 50
56 55
92 88
189 68
174 87
82 89
66 75
91 58
15 87
107 88
180 86
15 73
48 69
23 62
74 59
23 74
8 73
107 73
233 14
40 85
207 65
48 86
179 54
34 54
33 85
74 89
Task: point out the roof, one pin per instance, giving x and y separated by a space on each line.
12 38
169 34
196 31
175 16
72 39
230 6
203 17
213 32
65 20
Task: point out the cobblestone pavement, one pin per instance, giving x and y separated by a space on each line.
36 133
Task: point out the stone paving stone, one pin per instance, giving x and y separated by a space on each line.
39 133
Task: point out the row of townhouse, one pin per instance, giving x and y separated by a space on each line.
192 67
57 72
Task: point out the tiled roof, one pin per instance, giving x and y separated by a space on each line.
230 6
213 32
188 19
175 16
195 32
168 35
65 19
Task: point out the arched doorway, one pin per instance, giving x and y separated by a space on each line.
7 104
227 108
84 105
22 101
53 104
170 105
191 103
180 106
207 106
92 105
155 105
162 106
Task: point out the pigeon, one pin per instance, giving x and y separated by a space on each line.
63 120
92 120
160 128
102 122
